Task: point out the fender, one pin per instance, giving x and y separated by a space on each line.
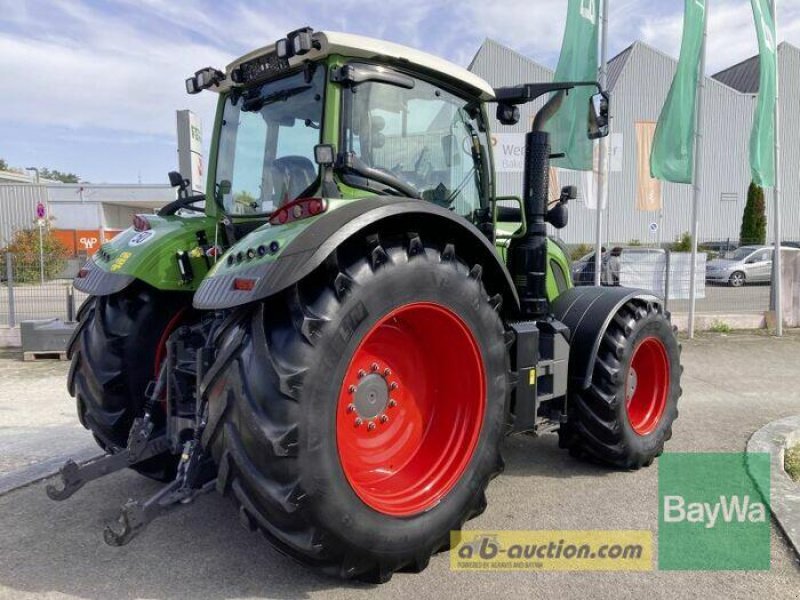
149 256
318 240
587 311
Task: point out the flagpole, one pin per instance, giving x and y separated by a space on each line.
698 171
776 192
602 170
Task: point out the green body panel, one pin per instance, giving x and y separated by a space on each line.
151 256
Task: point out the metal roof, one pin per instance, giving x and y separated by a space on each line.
745 76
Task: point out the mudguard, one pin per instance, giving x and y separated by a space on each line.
149 256
587 311
292 257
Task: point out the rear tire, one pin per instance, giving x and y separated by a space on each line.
114 355
625 416
278 427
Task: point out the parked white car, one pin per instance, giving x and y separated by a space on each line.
748 264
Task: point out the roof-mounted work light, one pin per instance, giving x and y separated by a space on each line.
204 79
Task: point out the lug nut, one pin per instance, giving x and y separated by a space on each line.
351 408
362 373
358 422
392 403
352 389
374 366
387 371
393 385
384 419
371 426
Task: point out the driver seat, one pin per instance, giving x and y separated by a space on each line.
291 176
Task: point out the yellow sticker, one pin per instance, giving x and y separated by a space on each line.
120 260
532 377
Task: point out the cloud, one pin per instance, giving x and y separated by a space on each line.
731 32
118 66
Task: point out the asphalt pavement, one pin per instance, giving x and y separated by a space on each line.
732 385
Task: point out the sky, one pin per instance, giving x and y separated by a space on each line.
91 86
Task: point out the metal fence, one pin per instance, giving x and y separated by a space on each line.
719 289
34 289
30 290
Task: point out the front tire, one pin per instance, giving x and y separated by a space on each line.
625 416
307 439
116 352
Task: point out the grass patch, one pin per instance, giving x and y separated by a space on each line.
791 462
720 327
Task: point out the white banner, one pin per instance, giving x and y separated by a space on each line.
509 152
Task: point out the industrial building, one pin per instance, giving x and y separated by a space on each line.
639 79
81 215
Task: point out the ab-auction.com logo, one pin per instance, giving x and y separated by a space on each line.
714 511
589 550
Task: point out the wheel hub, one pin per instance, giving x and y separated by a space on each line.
371 397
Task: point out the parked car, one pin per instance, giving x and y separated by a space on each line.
748 264
583 268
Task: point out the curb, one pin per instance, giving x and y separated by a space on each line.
785 493
44 469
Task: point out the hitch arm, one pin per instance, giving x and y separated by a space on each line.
74 477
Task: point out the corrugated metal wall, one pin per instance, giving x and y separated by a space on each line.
18 208
642 76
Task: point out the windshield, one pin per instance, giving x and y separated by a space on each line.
741 253
424 137
266 144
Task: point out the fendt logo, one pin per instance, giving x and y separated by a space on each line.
733 509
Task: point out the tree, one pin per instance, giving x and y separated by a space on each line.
57 175
754 219
3 165
25 248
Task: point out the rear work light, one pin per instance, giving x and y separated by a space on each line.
302 208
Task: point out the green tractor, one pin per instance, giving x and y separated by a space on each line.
343 335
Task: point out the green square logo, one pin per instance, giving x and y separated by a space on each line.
712 515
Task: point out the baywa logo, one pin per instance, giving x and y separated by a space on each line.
714 511
731 509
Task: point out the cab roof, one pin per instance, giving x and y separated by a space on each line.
358 46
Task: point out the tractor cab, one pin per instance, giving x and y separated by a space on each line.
397 122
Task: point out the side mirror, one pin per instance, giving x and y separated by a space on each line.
176 179
558 216
598 116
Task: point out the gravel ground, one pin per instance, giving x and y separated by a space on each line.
733 385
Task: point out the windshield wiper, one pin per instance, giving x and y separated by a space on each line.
257 103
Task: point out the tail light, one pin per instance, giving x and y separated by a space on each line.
140 223
302 208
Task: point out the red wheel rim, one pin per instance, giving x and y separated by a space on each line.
161 348
647 384
410 409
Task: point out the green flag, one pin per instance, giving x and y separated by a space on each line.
577 62
672 158
762 138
